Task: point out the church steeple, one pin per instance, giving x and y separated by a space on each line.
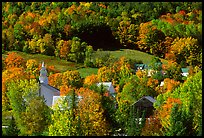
43 74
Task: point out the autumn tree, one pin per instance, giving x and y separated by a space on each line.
104 74
62 49
88 56
172 70
62 123
14 60
55 80
77 50
92 123
185 96
92 79
36 117
127 32
32 67
152 126
169 85
188 50
64 90
72 78
8 75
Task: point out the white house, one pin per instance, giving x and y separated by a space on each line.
46 90
108 86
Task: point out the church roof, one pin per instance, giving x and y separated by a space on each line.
49 87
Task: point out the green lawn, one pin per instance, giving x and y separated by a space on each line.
87 71
133 54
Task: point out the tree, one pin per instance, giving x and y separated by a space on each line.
88 56
63 122
188 96
91 113
77 51
72 78
178 119
20 93
14 60
188 50
36 117
172 70
64 90
55 80
90 80
32 67
135 125
152 126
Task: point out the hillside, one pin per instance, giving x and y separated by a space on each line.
63 65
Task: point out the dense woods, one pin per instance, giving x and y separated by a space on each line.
80 32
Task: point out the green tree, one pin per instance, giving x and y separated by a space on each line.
64 120
37 116
20 93
88 56
77 51
135 123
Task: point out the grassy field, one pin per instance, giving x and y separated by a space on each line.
63 65
133 54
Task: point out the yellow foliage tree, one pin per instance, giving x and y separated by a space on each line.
93 121
92 79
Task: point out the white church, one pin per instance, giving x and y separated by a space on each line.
52 94
46 90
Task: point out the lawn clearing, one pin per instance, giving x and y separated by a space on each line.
87 71
133 54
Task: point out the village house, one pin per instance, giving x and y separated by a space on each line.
144 104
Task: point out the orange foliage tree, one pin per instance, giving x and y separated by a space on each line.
170 84
92 79
152 126
55 80
11 74
14 60
63 48
165 111
64 90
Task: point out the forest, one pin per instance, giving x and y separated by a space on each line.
84 37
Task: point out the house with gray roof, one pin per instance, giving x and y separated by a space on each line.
145 104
